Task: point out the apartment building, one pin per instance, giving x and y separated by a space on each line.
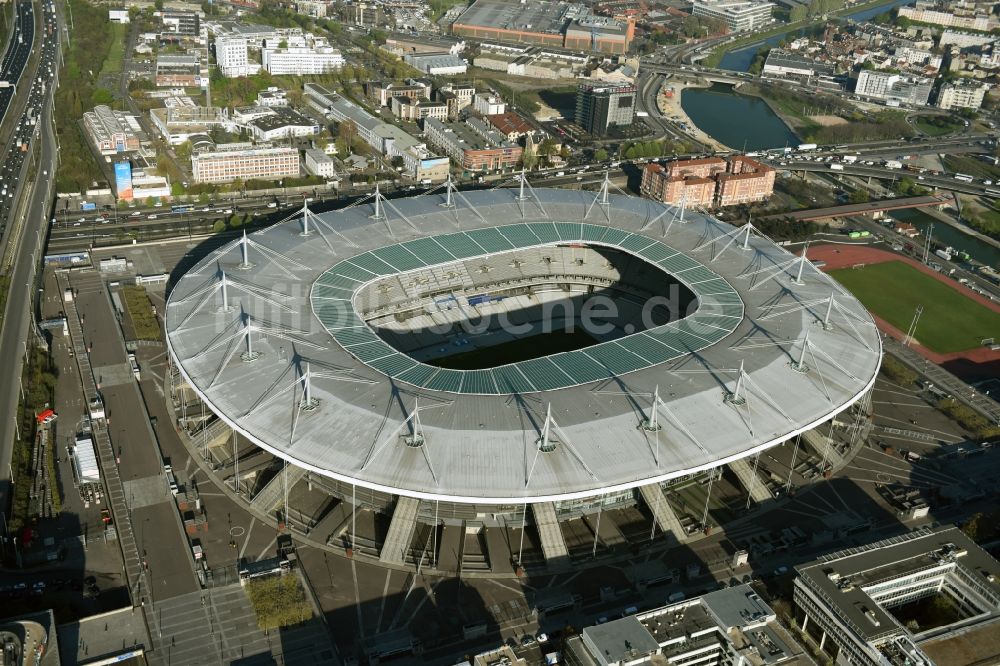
473 145
382 93
282 123
244 161
111 131
708 182
511 124
745 180
738 15
935 14
232 56
301 60
891 86
962 94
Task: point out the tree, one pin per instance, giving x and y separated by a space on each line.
176 189
397 162
102 96
159 5
859 196
346 131
600 155
973 527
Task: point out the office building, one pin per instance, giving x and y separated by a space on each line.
853 601
600 107
382 93
730 627
416 110
181 23
473 145
244 161
961 94
178 71
318 163
232 57
111 131
281 123
893 87
738 15
402 44
389 140
781 63
544 23
301 60
272 97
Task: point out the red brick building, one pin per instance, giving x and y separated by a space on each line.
708 182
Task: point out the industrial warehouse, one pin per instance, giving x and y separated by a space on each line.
391 355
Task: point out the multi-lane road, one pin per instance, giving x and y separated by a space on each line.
18 50
27 228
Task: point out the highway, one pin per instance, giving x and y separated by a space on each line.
36 186
18 50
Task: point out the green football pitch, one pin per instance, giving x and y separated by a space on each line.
951 321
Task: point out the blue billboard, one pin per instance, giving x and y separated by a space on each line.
123 180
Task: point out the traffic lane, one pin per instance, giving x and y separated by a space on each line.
167 557
129 432
100 329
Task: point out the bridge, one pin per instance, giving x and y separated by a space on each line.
869 208
709 74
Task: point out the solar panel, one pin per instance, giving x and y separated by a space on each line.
352 272
478 381
490 239
510 380
678 263
543 374
446 380
393 365
373 264
428 251
519 235
591 232
657 252
614 236
580 367
370 351
647 348
354 336
395 255
337 314
417 374
460 245
545 231
327 292
636 243
567 231
614 358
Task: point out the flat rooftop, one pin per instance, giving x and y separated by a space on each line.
540 16
885 561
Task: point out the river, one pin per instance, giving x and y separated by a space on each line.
715 110
945 234
740 59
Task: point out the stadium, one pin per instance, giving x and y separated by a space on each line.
509 358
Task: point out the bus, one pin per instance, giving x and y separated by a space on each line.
181 208
962 177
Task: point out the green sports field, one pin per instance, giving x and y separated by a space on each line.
951 322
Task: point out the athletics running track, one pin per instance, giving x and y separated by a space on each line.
972 364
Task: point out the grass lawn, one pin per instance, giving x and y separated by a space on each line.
116 54
941 125
951 322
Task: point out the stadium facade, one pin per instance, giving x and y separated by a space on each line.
512 356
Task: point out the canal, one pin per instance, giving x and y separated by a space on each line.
715 110
945 234
740 60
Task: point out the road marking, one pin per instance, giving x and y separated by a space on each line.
385 594
246 541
